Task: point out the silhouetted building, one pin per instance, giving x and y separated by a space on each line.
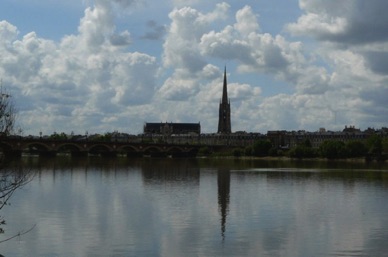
172 128
224 126
289 139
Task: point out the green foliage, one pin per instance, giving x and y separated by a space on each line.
57 136
147 140
356 149
248 151
237 152
107 137
274 151
375 145
307 143
302 151
261 148
333 149
204 151
385 144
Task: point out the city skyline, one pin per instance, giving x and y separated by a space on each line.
102 66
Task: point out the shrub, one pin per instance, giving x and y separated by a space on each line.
333 149
356 149
237 152
204 151
261 148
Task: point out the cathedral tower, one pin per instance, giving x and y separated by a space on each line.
224 126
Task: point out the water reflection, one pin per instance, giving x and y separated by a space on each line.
199 207
223 184
170 171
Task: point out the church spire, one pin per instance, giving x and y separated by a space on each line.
225 89
224 125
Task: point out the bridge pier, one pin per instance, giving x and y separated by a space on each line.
79 154
134 154
109 154
47 153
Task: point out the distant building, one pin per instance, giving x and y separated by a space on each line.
224 124
166 128
289 139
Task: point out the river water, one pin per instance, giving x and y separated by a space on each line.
198 207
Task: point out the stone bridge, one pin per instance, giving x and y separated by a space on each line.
44 147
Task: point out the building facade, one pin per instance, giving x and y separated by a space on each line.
224 124
171 128
289 139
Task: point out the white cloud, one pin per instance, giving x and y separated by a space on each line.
95 79
82 76
8 33
246 22
347 21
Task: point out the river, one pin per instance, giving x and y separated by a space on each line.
198 207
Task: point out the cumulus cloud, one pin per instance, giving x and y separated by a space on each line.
95 80
348 21
122 39
341 79
264 53
8 33
377 61
80 80
181 51
155 32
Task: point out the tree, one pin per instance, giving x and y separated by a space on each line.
7 114
303 150
248 151
375 145
237 152
11 178
333 149
356 149
385 145
261 148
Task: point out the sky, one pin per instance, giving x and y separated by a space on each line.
112 65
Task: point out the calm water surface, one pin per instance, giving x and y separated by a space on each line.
189 207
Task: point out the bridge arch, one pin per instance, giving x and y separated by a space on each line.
4 147
175 151
69 147
183 151
101 149
154 151
38 148
130 151
51 147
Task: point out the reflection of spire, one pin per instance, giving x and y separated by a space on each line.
223 181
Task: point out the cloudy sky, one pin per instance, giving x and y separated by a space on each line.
106 65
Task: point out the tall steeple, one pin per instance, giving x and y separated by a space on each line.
225 89
224 126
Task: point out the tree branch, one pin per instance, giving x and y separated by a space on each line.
18 234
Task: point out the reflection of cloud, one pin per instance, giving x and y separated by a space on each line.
170 172
376 244
94 207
